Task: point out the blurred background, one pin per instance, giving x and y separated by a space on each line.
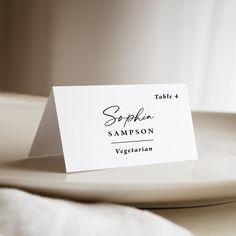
58 42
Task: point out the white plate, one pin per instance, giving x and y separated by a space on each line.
210 180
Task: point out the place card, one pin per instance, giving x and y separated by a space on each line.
99 127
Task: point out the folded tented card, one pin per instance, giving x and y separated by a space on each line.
99 127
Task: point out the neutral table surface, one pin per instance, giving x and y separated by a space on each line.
206 220
210 220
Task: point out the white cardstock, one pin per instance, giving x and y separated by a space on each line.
99 127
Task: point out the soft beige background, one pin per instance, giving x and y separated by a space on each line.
57 42
25 43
